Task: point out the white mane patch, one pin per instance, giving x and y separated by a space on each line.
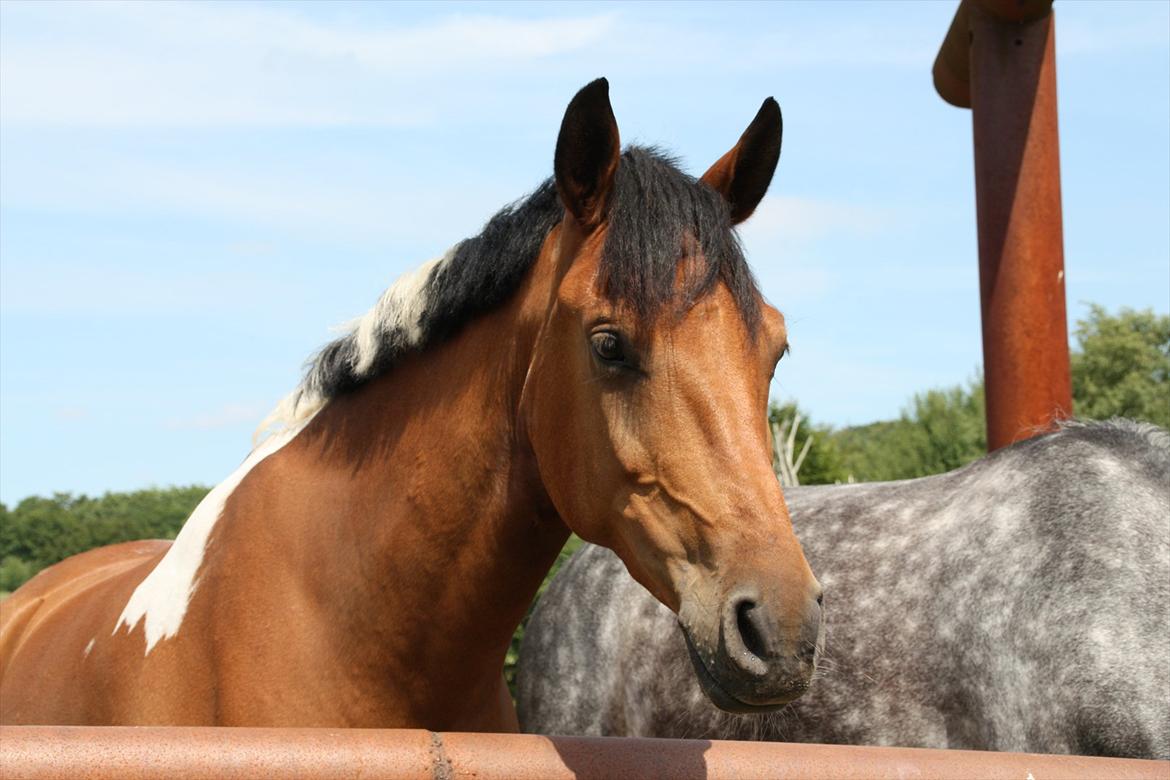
400 308
162 597
399 311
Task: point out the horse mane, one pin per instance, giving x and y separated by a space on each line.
654 212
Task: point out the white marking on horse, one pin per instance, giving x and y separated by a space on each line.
89 647
399 309
162 597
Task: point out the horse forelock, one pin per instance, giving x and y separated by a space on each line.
654 213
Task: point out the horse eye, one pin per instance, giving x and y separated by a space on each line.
607 346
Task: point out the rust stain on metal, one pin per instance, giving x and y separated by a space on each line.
440 764
152 753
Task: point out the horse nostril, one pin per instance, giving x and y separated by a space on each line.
821 599
748 631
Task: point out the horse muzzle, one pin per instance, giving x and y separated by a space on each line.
757 663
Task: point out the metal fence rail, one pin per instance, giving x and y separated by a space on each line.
138 753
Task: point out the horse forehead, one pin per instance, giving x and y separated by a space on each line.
714 318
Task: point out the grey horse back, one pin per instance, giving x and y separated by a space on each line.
1021 603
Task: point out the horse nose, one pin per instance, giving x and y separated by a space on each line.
757 645
750 635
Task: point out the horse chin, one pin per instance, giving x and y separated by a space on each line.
718 694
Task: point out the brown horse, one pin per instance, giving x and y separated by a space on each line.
597 359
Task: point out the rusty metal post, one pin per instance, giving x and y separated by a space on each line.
1010 84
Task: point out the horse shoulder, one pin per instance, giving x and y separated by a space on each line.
55 620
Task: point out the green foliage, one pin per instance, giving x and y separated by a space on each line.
1122 366
939 431
41 531
14 572
949 429
822 464
875 452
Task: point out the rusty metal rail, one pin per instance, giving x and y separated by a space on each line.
142 753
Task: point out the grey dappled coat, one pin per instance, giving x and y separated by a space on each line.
1021 603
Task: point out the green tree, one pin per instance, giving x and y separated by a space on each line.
822 463
876 452
14 572
1121 366
41 531
939 431
950 426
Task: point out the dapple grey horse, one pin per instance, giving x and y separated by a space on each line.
1020 603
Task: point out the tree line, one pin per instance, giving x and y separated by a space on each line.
41 531
1120 367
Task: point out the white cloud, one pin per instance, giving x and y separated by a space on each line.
794 219
298 199
842 44
789 241
228 415
72 413
87 287
215 64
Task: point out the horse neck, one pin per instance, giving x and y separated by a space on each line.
439 531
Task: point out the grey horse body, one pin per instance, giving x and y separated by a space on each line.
1021 603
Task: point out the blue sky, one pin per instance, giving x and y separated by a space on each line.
192 194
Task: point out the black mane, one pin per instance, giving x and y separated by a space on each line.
655 212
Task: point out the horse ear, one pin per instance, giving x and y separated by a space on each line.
588 150
744 173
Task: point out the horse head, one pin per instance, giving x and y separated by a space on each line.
646 400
